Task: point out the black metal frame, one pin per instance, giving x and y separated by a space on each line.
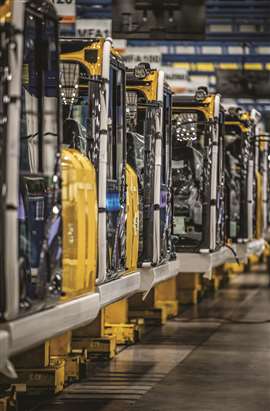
188 104
146 184
246 154
48 281
117 265
6 33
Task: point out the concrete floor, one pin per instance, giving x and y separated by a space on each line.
207 364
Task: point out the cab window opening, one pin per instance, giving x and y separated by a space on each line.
166 139
39 128
190 138
39 143
116 125
80 95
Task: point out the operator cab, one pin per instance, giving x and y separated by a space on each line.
30 276
198 172
92 85
149 154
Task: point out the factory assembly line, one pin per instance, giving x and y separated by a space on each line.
116 194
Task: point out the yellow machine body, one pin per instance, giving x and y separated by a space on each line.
79 210
259 185
95 69
132 237
245 124
6 11
207 107
241 126
149 86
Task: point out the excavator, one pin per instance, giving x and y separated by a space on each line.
247 195
240 194
92 84
260 150
65 192
30 137
198 172
149 154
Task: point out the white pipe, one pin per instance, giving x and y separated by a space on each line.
157 176
217 106
160 90
264 186
255 116
250 198
214 175
157 181
12 284
213 207
257 152
264 172
102 167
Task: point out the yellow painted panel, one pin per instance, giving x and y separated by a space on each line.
149 87
6 11
253 66
79 211
207 107
185 66
95 69
166 290
116 313
79 56
132 239
228 66
205 67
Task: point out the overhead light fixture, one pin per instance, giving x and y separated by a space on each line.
201 93
142 70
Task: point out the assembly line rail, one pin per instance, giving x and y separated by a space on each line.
245 250
21 334
203 262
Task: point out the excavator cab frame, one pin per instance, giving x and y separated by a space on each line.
238 146
98 102
198 172
149 154
30 276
